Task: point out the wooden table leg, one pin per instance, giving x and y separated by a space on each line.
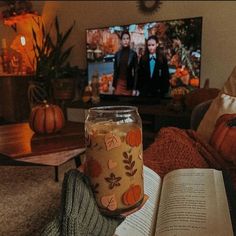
77 161
56 174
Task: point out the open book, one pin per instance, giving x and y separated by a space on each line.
187 202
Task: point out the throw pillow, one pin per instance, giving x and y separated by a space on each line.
198 96
224 135
230 85
223 104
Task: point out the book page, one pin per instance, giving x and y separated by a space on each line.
193 202
143 221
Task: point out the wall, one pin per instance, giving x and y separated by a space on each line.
219 28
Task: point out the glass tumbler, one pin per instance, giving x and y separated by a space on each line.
114 157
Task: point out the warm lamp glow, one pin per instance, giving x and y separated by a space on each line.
22 40
14 20
25 49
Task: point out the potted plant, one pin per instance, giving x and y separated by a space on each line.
51 63
64 86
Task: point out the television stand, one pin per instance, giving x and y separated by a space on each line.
146 101
108 98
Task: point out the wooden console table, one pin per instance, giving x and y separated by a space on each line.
19 145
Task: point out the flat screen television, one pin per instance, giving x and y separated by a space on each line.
179 40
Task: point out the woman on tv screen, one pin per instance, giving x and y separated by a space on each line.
153 70
125 68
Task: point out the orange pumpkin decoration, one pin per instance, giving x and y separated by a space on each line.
46 119
195 82
180 72
132 195
134 137
224 135
105 87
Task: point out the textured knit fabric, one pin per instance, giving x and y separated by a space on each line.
177 148
79 214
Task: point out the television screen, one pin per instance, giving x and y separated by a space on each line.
179 45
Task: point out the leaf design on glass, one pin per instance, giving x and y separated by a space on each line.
111 164
109 202
113 181
129 164
112 141
140 156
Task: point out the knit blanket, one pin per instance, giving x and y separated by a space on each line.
176 148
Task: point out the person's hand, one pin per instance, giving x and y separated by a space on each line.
145 198
79 212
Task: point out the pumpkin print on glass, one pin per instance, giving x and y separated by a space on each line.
195 81
132 195
134 137
115 135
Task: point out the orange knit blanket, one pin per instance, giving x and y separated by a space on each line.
176 148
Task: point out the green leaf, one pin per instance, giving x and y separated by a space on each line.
68 32
57 26
50 56
34 37
65 55
43 33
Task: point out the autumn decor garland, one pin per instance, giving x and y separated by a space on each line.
46 118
